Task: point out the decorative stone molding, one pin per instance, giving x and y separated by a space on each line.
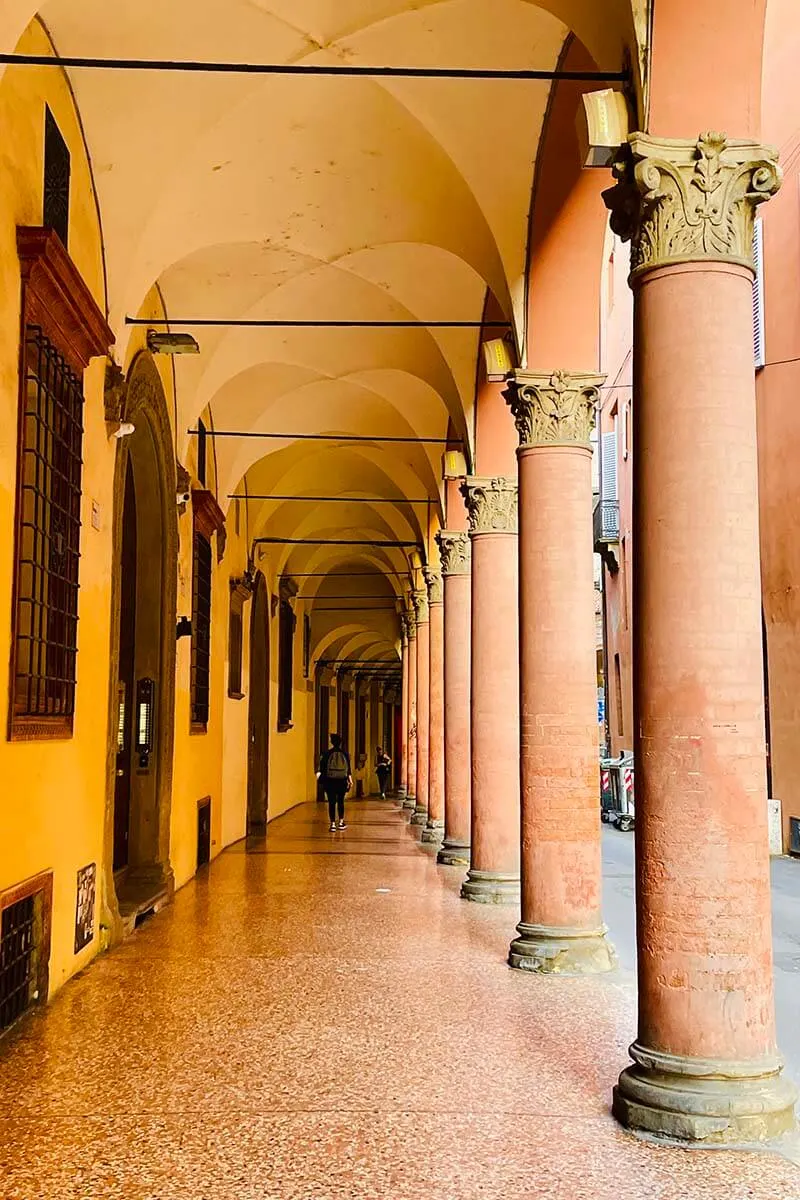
420 598
491 504
554 409
689 201
411 624
114 393
433 579
56 297
455 552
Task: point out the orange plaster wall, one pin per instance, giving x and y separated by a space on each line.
706 67
778 387
566 241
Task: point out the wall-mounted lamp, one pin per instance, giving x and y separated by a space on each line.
171 343
498 360
603 125
124 429
454 465
183 628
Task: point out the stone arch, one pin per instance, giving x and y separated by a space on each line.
149 455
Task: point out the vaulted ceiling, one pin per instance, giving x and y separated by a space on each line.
315 198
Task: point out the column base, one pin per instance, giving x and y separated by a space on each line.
490 887
704 1101
453 854
399 794
433 833
410 801
550 950
420 816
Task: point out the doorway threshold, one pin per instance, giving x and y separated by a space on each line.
139 898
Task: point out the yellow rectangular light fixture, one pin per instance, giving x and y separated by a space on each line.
454 465
603 125
498 360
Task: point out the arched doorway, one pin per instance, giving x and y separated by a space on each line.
144 605
258 714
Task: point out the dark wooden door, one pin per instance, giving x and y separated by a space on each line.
258 712
126 697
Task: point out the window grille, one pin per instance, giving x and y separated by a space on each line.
202 450
759 348
286 627
235 644
55 208
201 630
17 959
48 535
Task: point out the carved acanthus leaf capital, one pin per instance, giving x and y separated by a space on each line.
491 504
555 408
433 579
411 621
689 201
455 552
420 598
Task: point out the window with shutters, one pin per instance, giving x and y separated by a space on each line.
618 697
759 349
607 512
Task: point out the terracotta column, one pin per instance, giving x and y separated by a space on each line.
561 928
706 1066
454 549
493 876
411 723
402 749
420 816
434 829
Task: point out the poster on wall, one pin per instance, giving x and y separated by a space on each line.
84 909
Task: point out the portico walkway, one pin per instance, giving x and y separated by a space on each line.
323 1017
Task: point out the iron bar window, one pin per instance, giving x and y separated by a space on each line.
201 631
48 535
17 959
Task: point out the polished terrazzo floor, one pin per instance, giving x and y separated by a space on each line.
320 1016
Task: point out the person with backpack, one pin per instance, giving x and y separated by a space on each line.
383 766
336 777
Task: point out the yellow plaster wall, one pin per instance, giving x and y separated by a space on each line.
52 797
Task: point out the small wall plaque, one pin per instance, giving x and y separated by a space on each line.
84 909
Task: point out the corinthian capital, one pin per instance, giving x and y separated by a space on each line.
491 504
420 598
434 581
554 409
689 201
455 552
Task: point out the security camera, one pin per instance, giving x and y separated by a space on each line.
184 497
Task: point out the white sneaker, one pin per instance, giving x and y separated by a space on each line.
342 825
333 827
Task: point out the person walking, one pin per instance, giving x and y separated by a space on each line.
383 766
336 777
